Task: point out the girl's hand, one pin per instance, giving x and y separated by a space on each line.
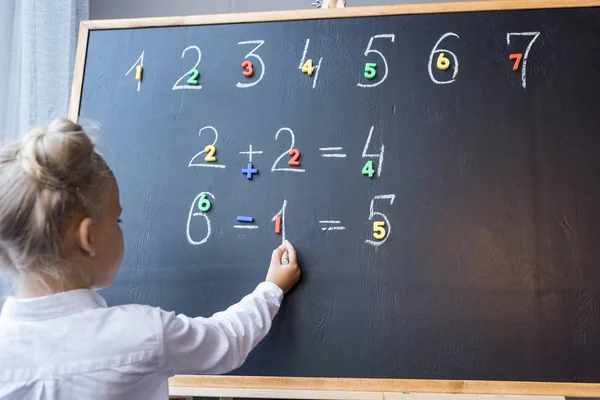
284 275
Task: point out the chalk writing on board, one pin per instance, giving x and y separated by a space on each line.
316 67
140 62
193 162
526 55
177 85
281 214
369 50
373 214
274 168
379 155
332 225
327 152
245 226
256 56
454 62
193 214
251 152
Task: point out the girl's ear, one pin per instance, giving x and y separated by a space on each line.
85 237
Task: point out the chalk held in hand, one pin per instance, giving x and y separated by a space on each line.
283 269
285 260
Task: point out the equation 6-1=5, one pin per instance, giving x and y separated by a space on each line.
202 204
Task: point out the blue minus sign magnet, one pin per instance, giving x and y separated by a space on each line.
245 219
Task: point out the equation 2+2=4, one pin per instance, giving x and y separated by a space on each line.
292 154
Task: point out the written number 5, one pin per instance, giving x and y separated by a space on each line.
370 71
379 231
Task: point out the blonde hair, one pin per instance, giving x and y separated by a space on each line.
53 173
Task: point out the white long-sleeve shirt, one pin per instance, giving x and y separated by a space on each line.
70 345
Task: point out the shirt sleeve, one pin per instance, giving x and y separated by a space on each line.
221 343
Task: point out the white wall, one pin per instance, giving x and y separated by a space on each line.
103 9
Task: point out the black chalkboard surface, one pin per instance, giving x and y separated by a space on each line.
473 251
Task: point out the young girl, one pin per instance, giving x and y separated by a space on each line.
60 238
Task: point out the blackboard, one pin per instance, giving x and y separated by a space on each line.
472 253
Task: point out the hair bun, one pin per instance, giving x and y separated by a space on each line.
50 174
60 155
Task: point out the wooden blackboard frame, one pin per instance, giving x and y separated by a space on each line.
277 385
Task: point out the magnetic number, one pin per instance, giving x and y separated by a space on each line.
379 231
288 152
295 161
204 204
441 60
192 214
210 151
138 63
386 221
369 50
257 57
249 69
526 55
192 73
368 169
139 72
308 68
443 63
370 71
193 77
281 214
517 59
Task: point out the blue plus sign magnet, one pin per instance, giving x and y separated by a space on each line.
250 171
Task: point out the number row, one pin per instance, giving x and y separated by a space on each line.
446 60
